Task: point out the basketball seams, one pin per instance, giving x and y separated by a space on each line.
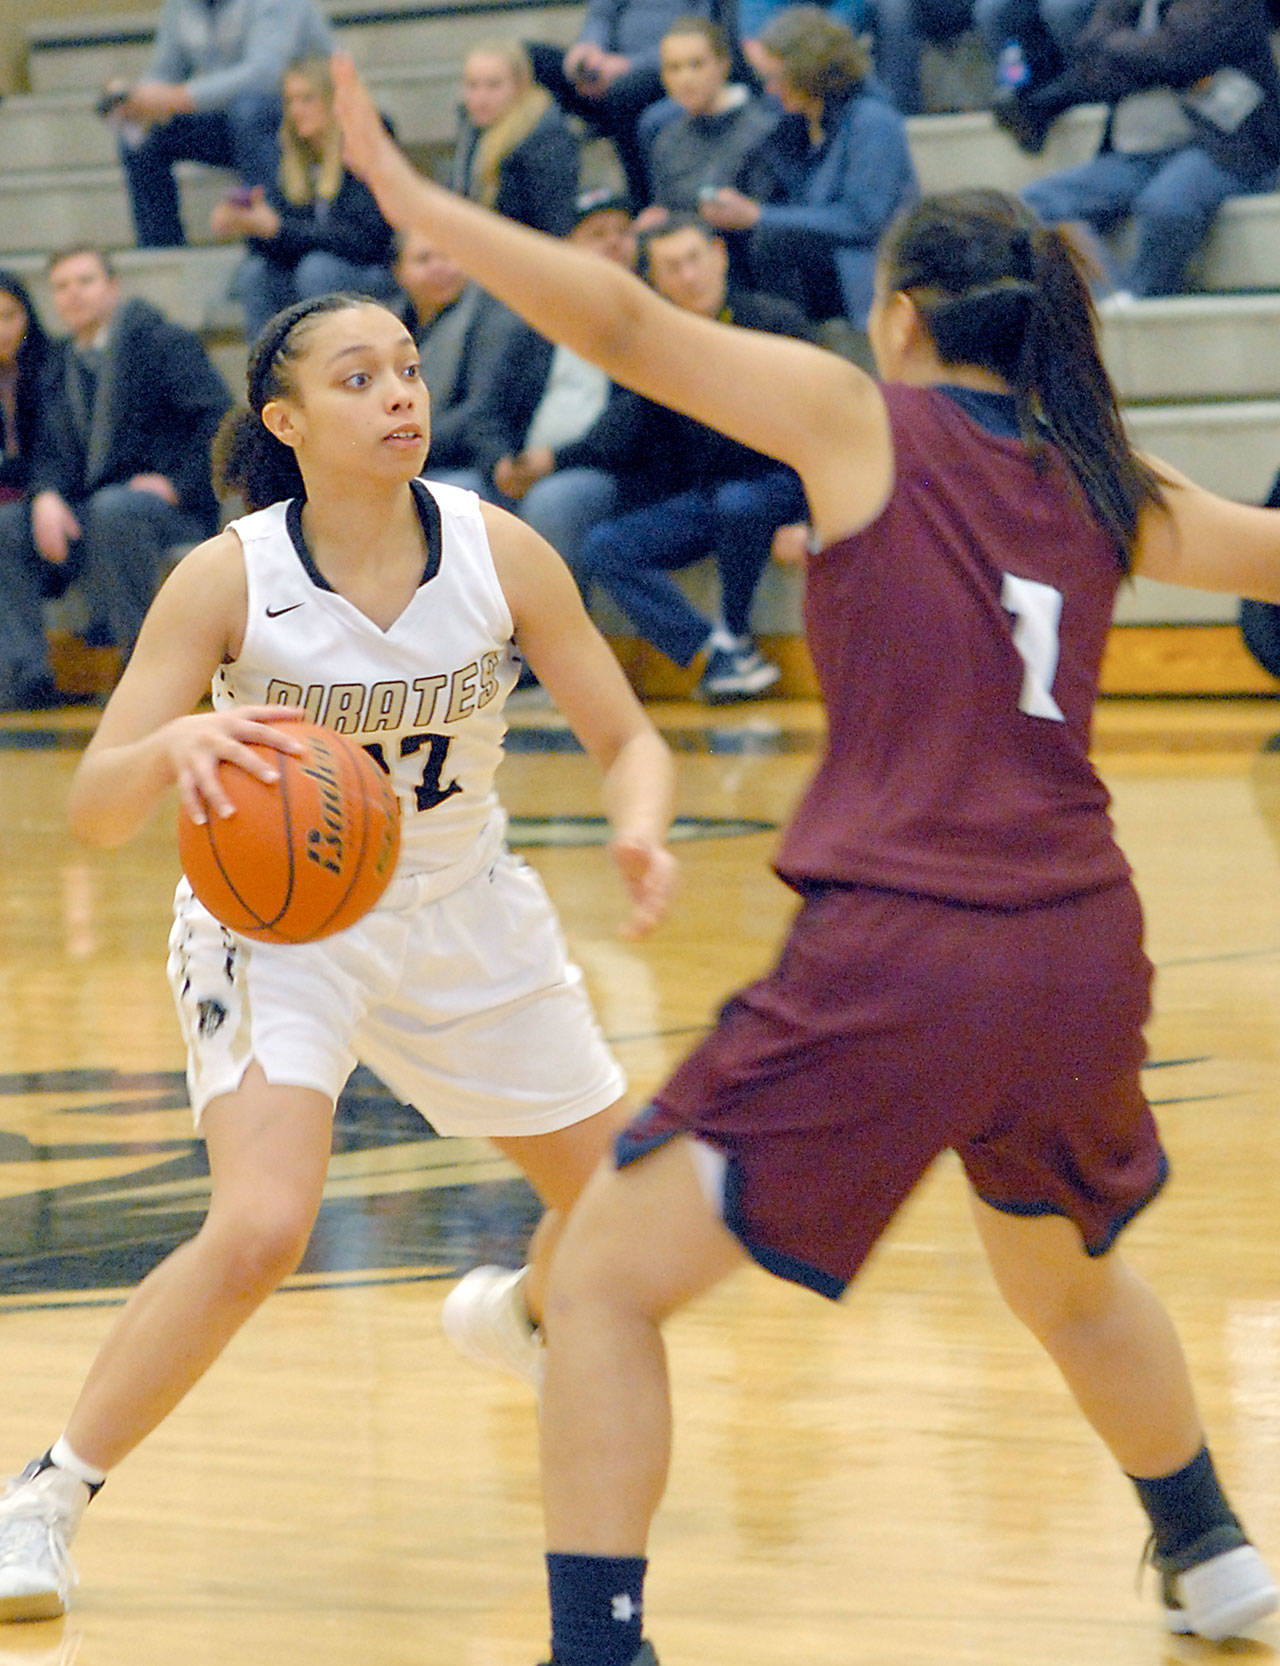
308 815
257 923
291 871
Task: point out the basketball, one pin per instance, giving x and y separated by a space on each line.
303 856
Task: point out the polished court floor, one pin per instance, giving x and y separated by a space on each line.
899 1481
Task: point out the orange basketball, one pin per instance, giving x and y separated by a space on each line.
304 855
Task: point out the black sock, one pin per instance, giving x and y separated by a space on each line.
596 1604
1186 1505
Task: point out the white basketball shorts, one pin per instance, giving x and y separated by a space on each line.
467 1007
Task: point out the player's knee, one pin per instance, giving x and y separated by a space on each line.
263 1246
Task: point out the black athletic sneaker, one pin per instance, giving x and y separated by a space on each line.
1216 1587
644 1656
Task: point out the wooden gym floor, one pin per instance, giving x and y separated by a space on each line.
898 1482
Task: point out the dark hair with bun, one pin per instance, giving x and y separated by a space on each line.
997 289
247 457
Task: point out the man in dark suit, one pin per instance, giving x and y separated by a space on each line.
464 337
120 471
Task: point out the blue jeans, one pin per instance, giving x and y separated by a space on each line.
901 29
1172 196
631 557
565 507
263 288
244 136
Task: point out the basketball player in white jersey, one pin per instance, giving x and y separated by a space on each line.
387 610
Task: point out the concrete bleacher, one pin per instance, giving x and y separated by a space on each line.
1196 375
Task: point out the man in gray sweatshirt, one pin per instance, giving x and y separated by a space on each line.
212 95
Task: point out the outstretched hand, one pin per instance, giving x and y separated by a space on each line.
369 150
649 872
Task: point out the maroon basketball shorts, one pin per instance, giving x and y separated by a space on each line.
895 1027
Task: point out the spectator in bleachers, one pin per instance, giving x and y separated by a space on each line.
900 31
212 95
1194 119
515 152
120 469
721 499
559 444
22 353
316 227
717 122
1032 45
828 180
464 337
610 75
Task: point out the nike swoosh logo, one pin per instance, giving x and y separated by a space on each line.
275 612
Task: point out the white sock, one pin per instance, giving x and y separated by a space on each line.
61 1454
720 638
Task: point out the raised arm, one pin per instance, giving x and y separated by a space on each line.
781 397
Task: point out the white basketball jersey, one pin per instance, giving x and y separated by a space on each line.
425 697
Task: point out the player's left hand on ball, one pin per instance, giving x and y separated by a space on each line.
649 871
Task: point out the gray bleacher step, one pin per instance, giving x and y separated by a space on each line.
49 208
87 51
53 130
954 153
1242 251
1194 347
1232 448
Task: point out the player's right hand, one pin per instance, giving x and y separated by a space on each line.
196 747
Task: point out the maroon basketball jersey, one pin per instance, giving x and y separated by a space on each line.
958 641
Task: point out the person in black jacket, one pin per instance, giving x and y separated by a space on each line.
514 152
712 497
22 351
465 338
553 438
120 470
317 228
1195 119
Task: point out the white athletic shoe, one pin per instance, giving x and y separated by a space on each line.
485 1318
1217 1588
39 1513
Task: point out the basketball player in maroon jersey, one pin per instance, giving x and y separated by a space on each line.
966 970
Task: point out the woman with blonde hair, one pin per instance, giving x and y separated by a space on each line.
515 153
317 228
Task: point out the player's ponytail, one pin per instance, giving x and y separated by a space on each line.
998 290
247 458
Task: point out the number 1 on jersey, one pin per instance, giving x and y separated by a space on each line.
1036 610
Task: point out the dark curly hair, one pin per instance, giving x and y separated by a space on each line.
247 457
